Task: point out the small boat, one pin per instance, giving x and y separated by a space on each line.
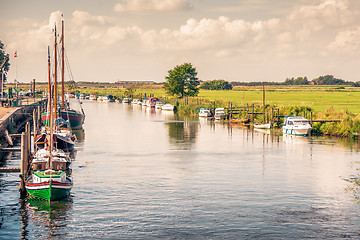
145 102
126 100
263 126
296 125
220 114
100 98
168 107
239 121
159 104
64 140
92 97
204 112
108 98
87 97
152 102
49 184
135 101
82 96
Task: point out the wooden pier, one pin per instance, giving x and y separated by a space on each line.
21 116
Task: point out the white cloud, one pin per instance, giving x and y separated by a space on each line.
346 42
324 31
152 5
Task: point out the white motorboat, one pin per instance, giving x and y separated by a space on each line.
145 102
92 97
220 114
126 100
204 112
168 107
159 104
263 126
135 101
296 125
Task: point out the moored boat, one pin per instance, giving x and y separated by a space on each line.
92 97
135 101
152 102
75 118
49 184
168 107
159 104
220 114
296 125
263 126
204 112
126 100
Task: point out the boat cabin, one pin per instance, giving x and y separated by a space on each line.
295 121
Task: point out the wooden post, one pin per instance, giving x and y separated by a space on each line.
278 115
38 119
34 122
252 113
311 118
231 109
264 104
24 164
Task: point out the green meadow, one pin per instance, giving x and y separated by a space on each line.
319 100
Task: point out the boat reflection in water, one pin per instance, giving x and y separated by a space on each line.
182 132
46 219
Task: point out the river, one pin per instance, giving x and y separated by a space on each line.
146 174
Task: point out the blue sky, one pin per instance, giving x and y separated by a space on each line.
243 40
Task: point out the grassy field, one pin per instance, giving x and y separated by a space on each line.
318 100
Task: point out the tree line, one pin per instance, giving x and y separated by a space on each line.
322 80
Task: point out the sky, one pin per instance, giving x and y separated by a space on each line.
234 40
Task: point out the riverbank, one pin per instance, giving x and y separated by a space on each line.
14 118
322 102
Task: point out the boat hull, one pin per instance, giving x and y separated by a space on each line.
297 131
51 191
76 119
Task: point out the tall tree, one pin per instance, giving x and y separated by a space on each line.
4 61
182 81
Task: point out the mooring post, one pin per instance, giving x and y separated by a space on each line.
38 123
252 113
311 121
278 116
24 164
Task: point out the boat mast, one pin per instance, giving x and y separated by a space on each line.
264 103
55 74
62 66
50 109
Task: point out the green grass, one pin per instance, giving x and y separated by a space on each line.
317 100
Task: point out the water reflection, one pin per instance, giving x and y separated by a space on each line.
80 134
182 131
47 219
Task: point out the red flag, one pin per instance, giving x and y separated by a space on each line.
15 54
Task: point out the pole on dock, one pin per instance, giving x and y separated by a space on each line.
34 122
24 166
252 113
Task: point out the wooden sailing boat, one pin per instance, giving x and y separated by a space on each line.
75 118
63 137
49 178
